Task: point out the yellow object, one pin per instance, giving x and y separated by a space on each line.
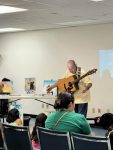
5 87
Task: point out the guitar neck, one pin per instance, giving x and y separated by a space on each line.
80 78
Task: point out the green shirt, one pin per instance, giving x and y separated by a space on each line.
72 122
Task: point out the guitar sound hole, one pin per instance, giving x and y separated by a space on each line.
70 84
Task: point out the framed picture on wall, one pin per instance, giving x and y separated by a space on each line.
47 83
30 85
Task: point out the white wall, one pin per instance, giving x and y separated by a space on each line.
43 55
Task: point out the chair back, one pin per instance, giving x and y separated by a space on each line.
16 137
85 142
1 141
53 140
26 120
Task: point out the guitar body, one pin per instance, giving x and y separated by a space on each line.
65 84
70 84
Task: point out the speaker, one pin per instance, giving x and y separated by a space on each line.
3 106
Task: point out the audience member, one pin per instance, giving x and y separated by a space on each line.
104 121
13 117
65 119
40 121
109 134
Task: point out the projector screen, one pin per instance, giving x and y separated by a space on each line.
106 62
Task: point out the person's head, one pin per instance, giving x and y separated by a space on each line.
13 115
109 130
40 121
65 100
6 79
72 66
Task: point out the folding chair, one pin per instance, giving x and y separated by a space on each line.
85 142
1 141
53 140
16 137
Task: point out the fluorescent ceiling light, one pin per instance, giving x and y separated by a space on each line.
2 30
96 0
9 9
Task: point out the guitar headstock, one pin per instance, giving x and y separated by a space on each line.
91 71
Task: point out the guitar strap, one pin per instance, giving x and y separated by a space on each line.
78 72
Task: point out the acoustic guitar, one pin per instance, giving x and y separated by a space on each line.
70 84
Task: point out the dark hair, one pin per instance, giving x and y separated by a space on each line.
109 130
63 100
106 120
13 115
6 79
40 121
109 135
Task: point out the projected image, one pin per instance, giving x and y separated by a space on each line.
106 62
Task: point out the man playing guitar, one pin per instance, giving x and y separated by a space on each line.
81 87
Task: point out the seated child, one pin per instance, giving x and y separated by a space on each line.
40 121
13 117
